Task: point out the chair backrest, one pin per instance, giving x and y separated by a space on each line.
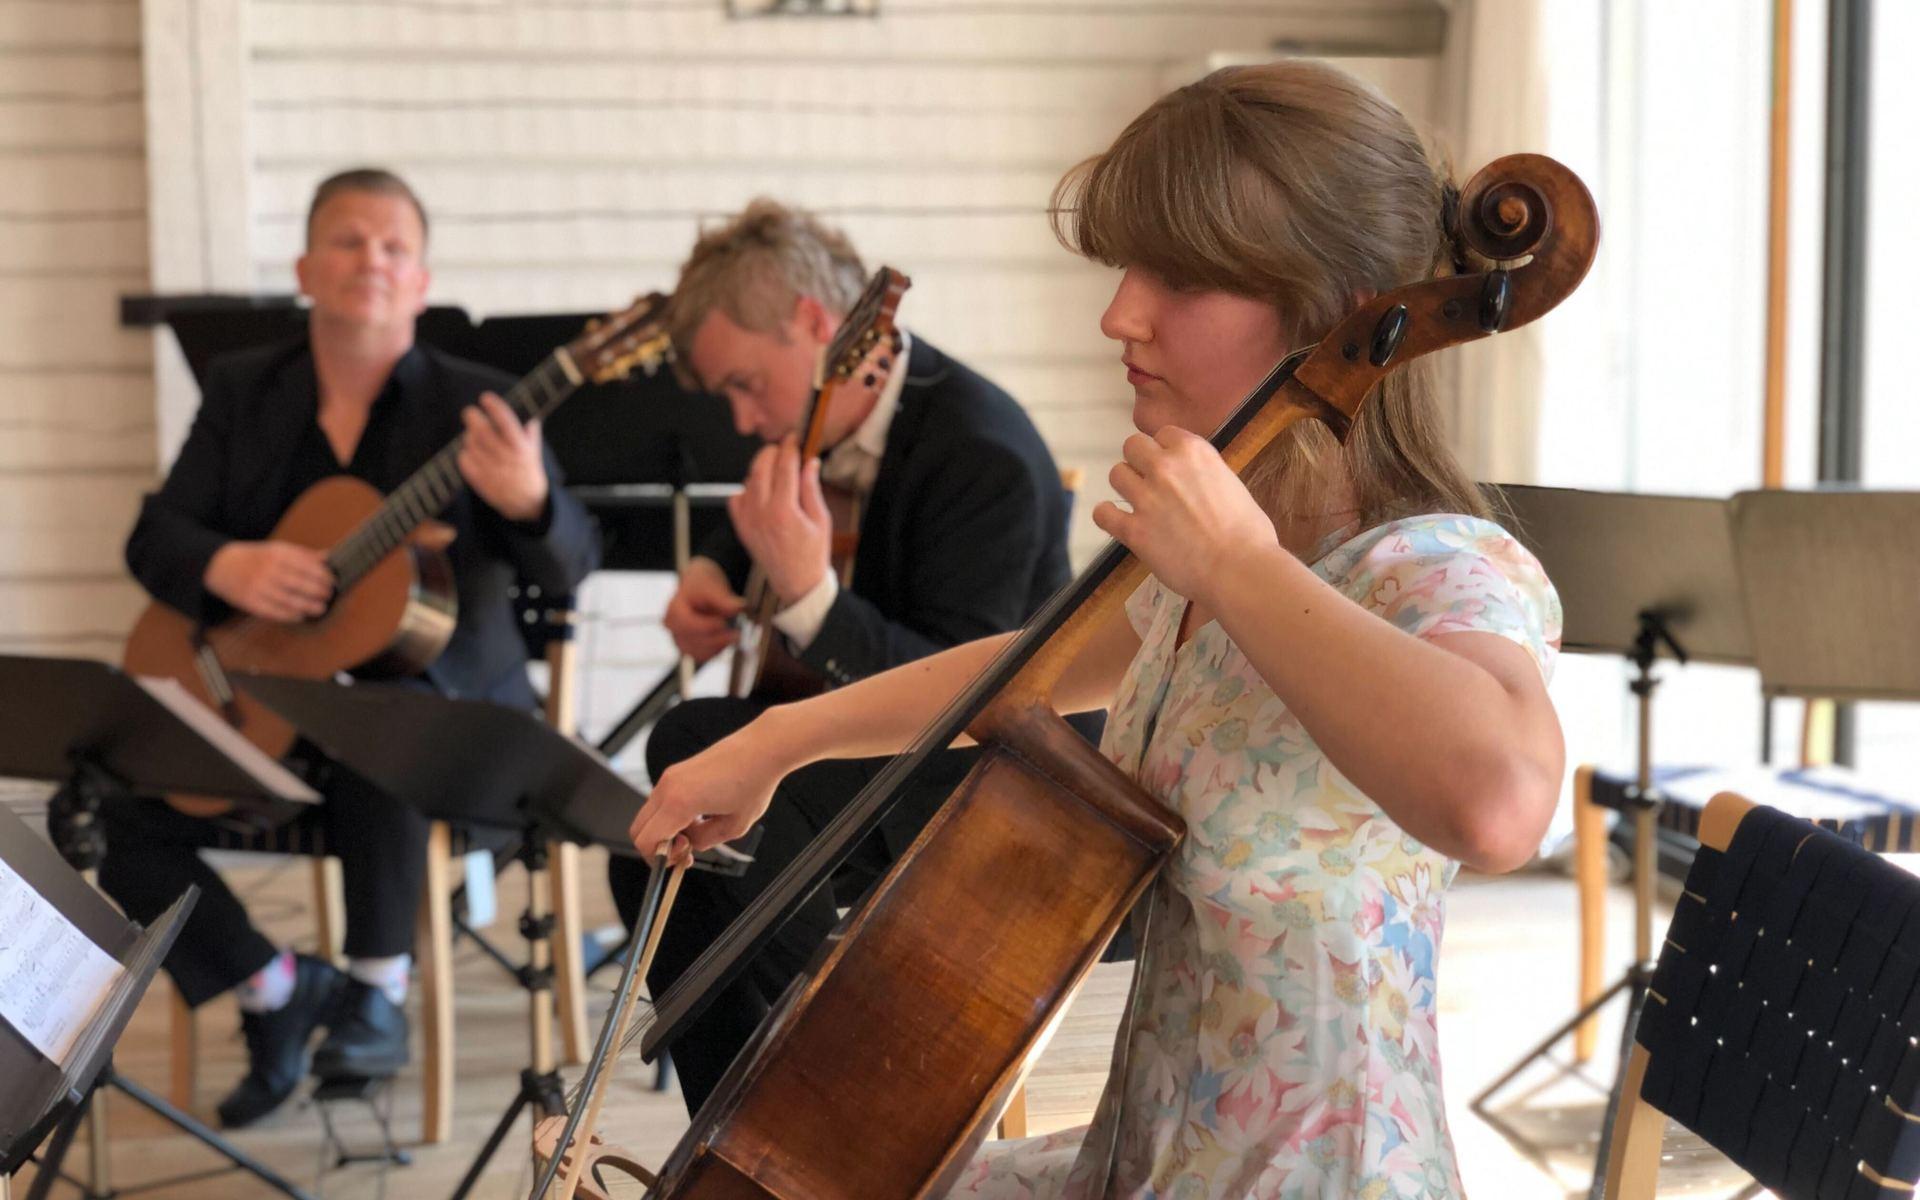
1783 1021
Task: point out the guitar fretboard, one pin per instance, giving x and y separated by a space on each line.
429 490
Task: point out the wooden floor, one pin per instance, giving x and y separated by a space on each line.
1506 977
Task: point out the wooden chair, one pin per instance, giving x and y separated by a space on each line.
1783 1024
1830 797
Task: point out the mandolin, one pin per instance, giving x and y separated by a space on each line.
761 667
394 606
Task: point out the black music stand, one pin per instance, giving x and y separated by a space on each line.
531 779
98 733
1635 574
44 1096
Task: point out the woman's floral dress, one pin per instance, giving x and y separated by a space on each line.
1280 1041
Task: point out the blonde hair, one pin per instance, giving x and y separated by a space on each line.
1296 184
754 267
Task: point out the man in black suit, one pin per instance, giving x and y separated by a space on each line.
356 396
962 534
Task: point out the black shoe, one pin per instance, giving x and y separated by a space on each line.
366 1036
277 1043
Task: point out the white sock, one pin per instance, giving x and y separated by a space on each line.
389 974
268 989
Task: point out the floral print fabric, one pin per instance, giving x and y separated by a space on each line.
1281 1040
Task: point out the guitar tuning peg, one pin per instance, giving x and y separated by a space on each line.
885 363
870 379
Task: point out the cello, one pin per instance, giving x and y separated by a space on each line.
926 1002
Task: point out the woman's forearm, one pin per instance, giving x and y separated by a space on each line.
883 713
878 715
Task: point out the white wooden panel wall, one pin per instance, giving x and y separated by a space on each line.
569 150
76 391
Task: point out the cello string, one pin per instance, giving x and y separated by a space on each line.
807 872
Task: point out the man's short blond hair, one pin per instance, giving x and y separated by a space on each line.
754 267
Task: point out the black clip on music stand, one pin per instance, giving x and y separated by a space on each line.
99 733
480 764
1635 573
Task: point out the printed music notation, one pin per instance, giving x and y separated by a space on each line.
52 976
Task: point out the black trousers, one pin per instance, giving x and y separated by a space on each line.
153 854
708 903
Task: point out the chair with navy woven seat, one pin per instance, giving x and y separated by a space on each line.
1783 1021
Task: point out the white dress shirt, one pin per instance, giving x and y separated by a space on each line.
853 464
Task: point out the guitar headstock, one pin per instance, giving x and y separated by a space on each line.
869 324
614 346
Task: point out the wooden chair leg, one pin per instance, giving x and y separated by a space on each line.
569 978
1590 882
434 943
185 1039
1633 1164
329 909
1013 1121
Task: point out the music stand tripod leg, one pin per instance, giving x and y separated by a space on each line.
540 1085
190 1126
1635 979
73 818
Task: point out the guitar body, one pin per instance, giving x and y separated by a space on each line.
396 620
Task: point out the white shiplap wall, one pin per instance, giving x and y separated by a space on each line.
76 390
569 150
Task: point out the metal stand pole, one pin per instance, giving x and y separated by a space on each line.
540 1081
1634 980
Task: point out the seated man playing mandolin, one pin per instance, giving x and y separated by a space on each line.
961 533
358 397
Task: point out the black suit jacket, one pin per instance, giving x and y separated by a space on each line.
964 534
237 474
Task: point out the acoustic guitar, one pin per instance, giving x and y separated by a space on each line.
394 606
761 666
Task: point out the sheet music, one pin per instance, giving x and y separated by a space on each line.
52 977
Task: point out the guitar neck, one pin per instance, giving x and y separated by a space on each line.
430 489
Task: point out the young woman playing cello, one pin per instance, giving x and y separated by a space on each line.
1336 674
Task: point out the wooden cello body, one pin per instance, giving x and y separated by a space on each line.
913 1027
880 1072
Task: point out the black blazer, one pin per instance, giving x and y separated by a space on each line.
237 474
964 534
